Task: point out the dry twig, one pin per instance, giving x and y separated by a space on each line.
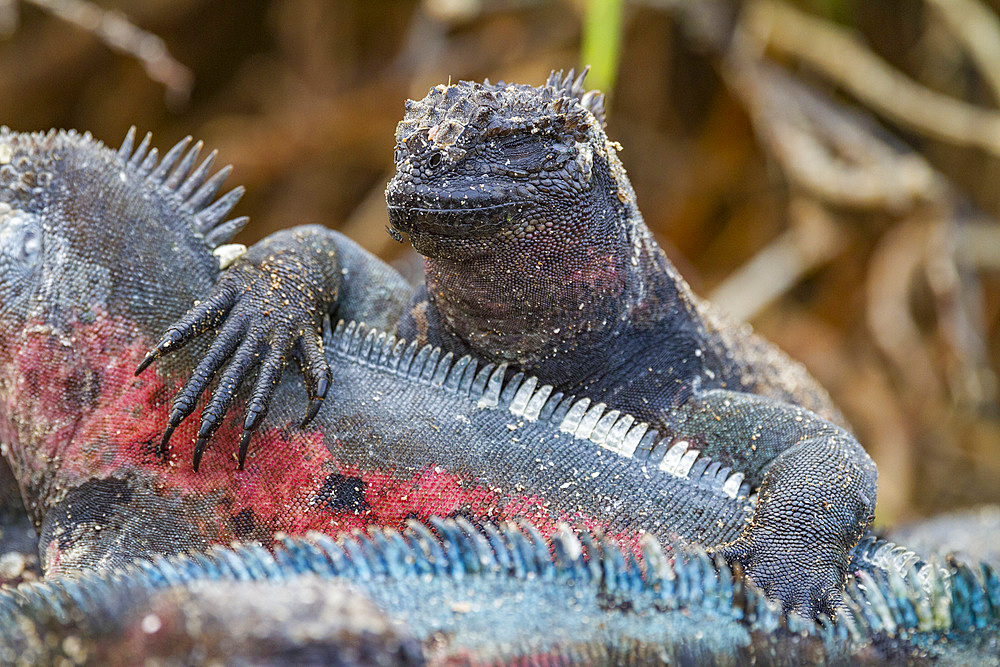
978 28
825 149
842 58
812 240
120 34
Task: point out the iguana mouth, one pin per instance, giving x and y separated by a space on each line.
461 221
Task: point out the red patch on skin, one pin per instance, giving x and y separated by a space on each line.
78 413
52 556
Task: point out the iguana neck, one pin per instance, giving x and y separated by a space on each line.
550 313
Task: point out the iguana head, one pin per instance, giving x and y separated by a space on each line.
99 251
535 251
479 164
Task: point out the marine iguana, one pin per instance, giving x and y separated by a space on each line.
537 256
429 435
452 592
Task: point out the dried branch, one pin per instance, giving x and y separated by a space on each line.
897 260
977 245
833 153
978 28
842 58
120 34
959 309
812 240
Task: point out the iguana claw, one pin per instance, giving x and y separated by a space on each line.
262 326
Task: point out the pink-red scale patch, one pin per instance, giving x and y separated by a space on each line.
86 416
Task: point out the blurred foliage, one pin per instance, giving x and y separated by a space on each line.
602 27
860 240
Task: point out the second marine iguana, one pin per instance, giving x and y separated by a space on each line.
536 255
452 592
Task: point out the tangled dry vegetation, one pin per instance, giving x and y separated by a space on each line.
827 170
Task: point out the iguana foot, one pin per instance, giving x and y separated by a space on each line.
806 578
267 314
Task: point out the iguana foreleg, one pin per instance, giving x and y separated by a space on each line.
271 304
816 492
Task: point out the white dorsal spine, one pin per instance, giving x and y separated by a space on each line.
386 352
589 421
442 370
634 436
534 407
347 336
479 381
523 395
616 436
416 366
355 341
454 379
673 457
603 428
610 430
430 365
491 397
368 343
572 419
684 467
732 485
406 361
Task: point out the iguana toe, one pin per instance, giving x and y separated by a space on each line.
805 579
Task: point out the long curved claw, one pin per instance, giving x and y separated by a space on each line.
240 365
199 449
187 398
202 317
316 370
267 381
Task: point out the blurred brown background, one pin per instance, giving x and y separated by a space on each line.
826 169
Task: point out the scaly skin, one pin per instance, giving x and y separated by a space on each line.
450 592
536 255
107 248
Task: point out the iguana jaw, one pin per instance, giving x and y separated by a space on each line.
458 222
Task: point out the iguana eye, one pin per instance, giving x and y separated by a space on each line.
522 146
